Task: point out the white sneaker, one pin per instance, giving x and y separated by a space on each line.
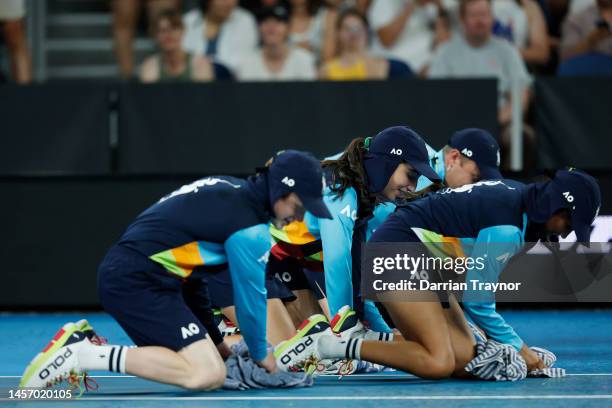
346 324
299 353
58 361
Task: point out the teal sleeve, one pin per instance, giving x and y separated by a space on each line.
496 245
381 212
372 315
337 238
247 252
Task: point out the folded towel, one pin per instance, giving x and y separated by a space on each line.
496 361
501 362
243 373
549 358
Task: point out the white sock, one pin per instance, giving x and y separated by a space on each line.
106 357
379 336
333 347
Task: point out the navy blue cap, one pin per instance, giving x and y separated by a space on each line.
578 191
391 147
298 172
572 189
478 145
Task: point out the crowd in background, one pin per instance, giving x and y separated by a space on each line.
346 39
302 40
378 39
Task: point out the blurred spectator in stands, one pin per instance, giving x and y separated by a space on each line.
220 30
312 27
255 5
361 6
125 18
522 22
173 64
12 22
277 59
478 54
410 30
588 31
353 61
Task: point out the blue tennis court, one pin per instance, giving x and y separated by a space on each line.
582 341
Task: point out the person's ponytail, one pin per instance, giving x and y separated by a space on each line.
348 171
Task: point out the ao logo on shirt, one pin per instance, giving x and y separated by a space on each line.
352 214
191 330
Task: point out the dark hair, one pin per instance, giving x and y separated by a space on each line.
349 171
352 12
463 5
313 6
172 15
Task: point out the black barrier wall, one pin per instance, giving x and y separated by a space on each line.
54 129
233 128
56 231
574 122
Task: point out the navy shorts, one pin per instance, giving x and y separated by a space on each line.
222 292
292 273
152 306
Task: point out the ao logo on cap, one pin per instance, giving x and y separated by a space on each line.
467 152
396 151
288 181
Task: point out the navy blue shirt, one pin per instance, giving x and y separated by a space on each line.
187 228
460 212
214 221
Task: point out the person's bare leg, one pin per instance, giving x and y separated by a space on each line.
17 44
196 367
304 306
125 17
430 354
279 325
462 339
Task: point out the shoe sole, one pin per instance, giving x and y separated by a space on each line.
54 345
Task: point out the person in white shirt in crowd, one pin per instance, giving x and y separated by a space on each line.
172 63
476 53
220 30
588 31
410 30
313 27
360 5
523 23
277 59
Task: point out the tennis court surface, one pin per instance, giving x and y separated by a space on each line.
582 341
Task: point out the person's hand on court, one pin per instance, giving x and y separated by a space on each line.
269 363
533 361
224 350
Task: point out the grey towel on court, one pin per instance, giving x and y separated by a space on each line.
243 373
501 362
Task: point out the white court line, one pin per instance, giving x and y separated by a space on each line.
379 376
356 398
